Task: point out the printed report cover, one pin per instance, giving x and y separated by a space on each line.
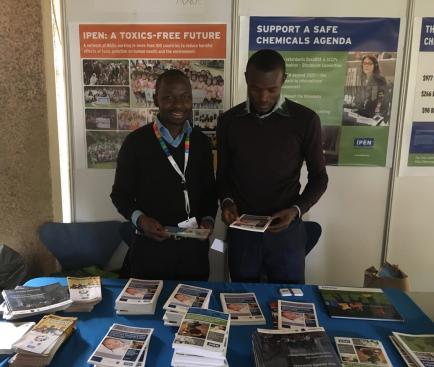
360 352
358 303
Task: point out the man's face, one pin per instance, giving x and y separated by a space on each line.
263 88
174 100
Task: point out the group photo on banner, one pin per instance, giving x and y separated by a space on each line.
119 86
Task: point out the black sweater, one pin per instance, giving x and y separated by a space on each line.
259 160
145 180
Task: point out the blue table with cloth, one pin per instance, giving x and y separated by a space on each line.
92 327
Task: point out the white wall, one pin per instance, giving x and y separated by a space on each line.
411 242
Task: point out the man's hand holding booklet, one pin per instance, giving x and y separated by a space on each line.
177 232
255 223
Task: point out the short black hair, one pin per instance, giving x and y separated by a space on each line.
168 74
267 60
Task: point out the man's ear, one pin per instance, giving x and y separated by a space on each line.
245 76
284 78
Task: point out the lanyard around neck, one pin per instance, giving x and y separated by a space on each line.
174 164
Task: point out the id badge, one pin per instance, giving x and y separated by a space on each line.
189 223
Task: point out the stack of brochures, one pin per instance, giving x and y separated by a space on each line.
296 315
359 352
85 293
10 333
255 223
123 346
243 308
415 349
29 301
40 344
138 297
293 348
202 339
182 298
358 303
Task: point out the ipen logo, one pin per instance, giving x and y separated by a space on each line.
364 142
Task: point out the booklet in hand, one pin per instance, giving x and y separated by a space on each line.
198 233
255 223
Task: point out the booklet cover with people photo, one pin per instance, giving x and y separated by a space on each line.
203 333
358 303
359 352
198 233
255 223
185 296
84 289
122 346
85 293
243 308
296 315
139 297
39 345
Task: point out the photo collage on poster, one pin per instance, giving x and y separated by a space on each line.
118 98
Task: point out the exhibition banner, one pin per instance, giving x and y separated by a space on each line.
120 66
421 152
344 69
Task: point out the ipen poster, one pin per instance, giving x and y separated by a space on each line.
421 152
120 66
344 69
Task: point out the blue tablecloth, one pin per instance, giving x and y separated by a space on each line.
93 326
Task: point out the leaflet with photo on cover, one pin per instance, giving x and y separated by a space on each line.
198 233
122 346
28 301
296 315
243 308
85 293
360 352
41 338
40 344
294 348
255 223
358 303
204 333
84 289
185 296
420 347
139 296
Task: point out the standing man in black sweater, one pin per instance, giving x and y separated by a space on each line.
165 177
262 144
